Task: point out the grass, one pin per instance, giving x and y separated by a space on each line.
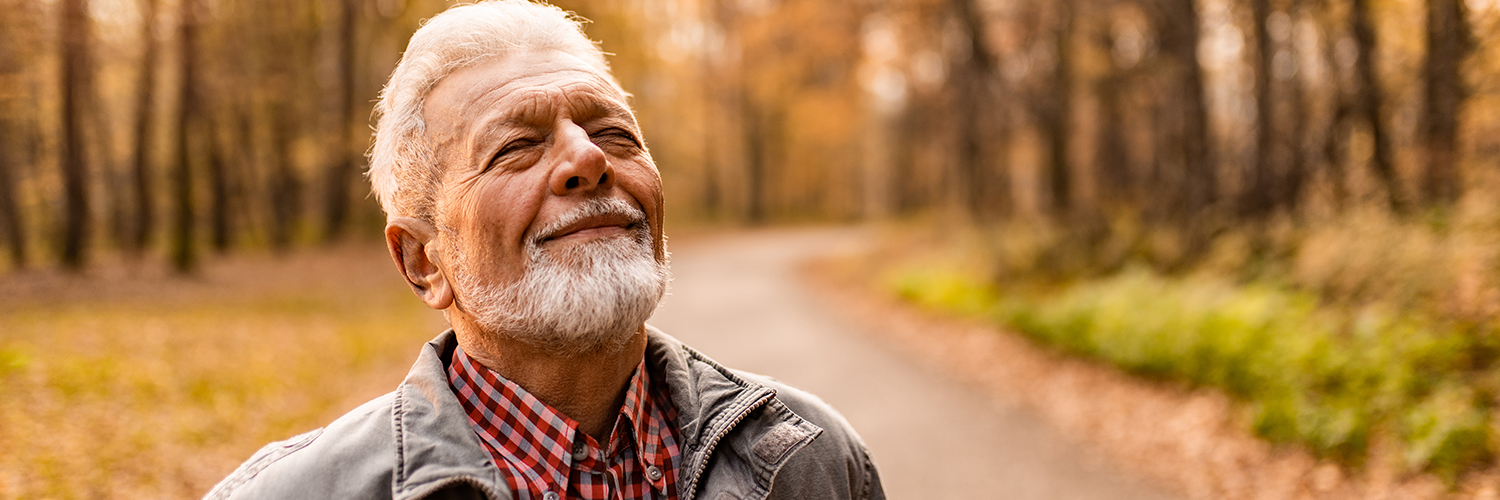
1334 378
158 390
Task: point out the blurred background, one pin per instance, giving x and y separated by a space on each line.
1296 202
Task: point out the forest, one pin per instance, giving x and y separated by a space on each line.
158 127
1306 190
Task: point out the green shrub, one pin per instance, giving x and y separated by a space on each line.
1326 377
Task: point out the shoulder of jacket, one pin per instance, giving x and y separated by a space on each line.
836 464
805 404
353 457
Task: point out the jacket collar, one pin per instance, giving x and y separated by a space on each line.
701 389
436 447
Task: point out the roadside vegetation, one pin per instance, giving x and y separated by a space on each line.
1357 336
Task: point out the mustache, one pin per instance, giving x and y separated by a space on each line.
594 207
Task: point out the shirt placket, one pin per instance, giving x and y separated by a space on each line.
591 470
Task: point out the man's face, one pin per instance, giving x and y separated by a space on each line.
548 190
526 137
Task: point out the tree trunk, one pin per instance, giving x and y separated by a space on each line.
221 227
909 131
755 158
1294 141
1443 98
1188 108
144 222
722 110
1113 180
285 186
1336 129
1369 102
982 136
1260 185
76 85
12 221
10 211
184 248
1054 120
337 196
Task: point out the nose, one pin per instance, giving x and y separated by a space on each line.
582 167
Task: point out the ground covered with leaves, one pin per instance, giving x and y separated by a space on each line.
129 382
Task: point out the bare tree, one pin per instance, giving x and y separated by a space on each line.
1184 141
76 86
283 72
759 126
1335 129
1056 109
1294 180
145 103
981 128
1260 186
285 186
10 212
1443 94
12 221
1112 167
220 225
342 169
1369 103
184 233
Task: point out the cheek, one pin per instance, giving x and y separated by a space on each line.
499 211
642 182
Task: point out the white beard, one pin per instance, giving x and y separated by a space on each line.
584 298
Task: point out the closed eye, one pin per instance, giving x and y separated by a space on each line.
617 134
512 147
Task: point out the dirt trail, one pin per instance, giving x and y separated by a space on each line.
739 299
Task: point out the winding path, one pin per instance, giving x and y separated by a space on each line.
737 298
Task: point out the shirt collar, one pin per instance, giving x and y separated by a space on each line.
529 431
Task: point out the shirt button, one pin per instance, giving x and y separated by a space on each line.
579 451
551 495
653 473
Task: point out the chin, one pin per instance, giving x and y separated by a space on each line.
591 297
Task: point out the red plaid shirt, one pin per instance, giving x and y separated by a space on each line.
543 454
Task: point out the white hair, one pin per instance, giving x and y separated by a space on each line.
588 298
404 172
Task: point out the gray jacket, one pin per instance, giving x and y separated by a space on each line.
746 437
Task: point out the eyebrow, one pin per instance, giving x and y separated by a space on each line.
593 109
588 108
535 113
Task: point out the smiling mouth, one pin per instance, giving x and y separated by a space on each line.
593 226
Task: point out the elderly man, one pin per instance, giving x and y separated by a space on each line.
522 202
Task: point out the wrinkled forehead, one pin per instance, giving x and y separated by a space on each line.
522 88
540 102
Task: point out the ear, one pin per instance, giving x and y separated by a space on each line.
412 243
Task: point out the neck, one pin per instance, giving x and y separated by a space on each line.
587 387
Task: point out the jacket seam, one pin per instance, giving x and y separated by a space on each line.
397 411
727 373
247 472
866 489
438 485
